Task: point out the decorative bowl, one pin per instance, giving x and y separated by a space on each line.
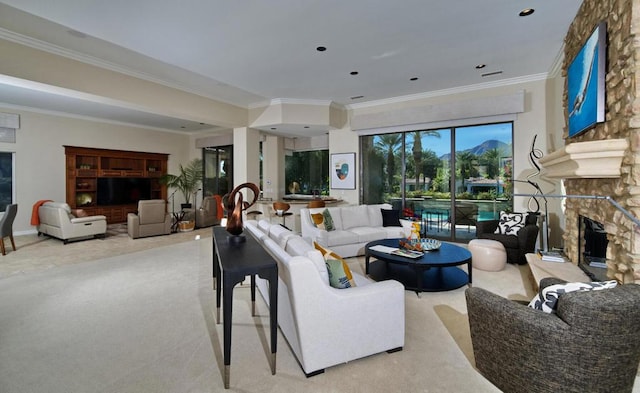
430 244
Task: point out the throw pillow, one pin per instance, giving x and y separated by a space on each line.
318 220
547 299
390 218
339 274
328 221
510 223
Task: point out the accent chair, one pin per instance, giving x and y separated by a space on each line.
152 219
591 343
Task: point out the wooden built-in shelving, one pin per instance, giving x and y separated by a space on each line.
84 165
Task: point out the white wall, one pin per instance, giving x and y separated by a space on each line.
40 159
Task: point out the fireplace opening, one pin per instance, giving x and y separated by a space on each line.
592 243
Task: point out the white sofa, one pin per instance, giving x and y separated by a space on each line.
325 326
56 220
355 226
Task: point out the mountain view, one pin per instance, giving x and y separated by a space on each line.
482 148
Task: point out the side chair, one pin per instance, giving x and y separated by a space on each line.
6 226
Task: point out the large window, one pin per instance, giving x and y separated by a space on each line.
307 172
417 172
6 180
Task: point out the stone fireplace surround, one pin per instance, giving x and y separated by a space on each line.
594 169
612 167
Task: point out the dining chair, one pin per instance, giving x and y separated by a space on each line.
281 210
6 226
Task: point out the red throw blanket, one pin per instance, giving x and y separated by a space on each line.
35 219
219 210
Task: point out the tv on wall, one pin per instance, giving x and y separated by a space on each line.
585 83
122 190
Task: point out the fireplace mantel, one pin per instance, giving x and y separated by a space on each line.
585 160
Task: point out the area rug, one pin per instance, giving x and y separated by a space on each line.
116 230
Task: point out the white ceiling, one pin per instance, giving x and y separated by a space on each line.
251 51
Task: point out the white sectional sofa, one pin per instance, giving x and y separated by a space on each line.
355 226
325 326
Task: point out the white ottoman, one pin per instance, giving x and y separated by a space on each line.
488 255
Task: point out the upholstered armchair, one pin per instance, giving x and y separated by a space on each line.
152 219
590 344
55 220
517 246
209 213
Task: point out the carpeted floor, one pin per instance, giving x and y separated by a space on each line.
143 320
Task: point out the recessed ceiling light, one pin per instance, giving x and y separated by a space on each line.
354 72
492 73
526 12
321 48
356 97
413 79
480 66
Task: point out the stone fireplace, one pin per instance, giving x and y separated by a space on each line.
605 160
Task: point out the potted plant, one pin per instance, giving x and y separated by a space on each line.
187 181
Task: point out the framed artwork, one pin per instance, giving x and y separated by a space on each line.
585 83
343 171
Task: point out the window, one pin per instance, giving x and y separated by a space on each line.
417 172
6 180
218 170
307 172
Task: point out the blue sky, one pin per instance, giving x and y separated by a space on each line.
468 137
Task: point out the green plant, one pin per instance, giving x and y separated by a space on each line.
187 181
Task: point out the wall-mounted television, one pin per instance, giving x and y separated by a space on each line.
122 190
585 83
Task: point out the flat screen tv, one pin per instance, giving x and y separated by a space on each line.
122 190
585 83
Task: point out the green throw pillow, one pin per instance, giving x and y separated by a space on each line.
328 221
339 274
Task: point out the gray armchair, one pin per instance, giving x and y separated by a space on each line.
152 219
207 215
591 344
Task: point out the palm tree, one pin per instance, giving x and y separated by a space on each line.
388 144
187 181
491 160
464 164
417 151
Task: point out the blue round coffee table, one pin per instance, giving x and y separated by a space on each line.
434 271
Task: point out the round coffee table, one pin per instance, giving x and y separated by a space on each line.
434 271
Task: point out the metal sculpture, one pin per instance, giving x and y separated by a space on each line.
235 205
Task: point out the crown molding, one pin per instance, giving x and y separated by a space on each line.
556 67
101 63
88 118
452 91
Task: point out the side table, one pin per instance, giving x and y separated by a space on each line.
232 262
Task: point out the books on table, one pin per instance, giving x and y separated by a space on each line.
552 256
407 253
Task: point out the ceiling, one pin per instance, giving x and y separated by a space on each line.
253 51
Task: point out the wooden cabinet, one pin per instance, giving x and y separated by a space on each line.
85 165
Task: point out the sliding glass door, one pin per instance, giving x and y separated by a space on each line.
218 170
447 193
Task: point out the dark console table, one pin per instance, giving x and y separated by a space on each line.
232 262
